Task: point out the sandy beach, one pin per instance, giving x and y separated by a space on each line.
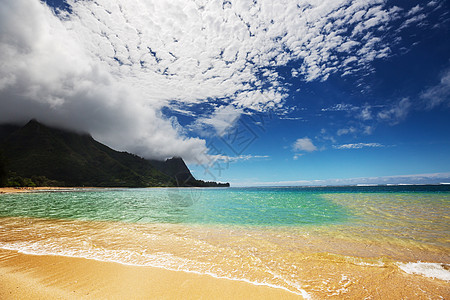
321 275
13 190
25 276
55 277
18 190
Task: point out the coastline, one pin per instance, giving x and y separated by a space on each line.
24 276
14 190
42 189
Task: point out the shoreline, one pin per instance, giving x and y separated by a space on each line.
43 189
18 190
27 276
84 265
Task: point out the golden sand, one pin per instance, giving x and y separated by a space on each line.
55 277
258 256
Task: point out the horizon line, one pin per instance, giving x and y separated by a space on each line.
440 178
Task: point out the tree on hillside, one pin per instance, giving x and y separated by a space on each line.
3 171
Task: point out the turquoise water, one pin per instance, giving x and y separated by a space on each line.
233 206
191 206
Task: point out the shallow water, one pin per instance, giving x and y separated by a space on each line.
265 207
317 242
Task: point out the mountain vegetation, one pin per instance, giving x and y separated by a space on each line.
39 155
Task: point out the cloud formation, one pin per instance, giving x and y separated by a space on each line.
47 73
349 130
221 120
358 146
396 112
438 94
304 144
109 67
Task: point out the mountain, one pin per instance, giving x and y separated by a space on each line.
36 154
175 168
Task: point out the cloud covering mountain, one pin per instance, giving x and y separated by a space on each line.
110 67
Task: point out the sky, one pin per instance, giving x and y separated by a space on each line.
251 92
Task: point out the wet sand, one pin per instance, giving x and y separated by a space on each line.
56 277
24 276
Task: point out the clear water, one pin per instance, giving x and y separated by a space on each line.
238 206
282 237
266 207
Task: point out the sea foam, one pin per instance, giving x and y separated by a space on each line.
165 261
433 270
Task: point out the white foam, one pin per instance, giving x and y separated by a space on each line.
160 260
378 263
433 270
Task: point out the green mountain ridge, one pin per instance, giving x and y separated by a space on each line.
36 154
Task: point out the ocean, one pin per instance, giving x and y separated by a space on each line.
318 242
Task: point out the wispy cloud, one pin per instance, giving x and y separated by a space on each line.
222 119
358 146
340 107
366 113
344 131
412 20
397 112
438 94
291 118
225 158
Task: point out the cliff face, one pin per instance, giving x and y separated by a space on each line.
72 159
175 168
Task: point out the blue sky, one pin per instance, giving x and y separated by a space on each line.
252 93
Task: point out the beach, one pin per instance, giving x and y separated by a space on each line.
225 243
15 190
56 277
26 276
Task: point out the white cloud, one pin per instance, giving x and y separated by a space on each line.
366 114
346 131
340 107
414 10
304 144
297 156
54 78
368 129
291 118
438 94
244 157
109 67
396 113
412 20
358 146
222 160
222 119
